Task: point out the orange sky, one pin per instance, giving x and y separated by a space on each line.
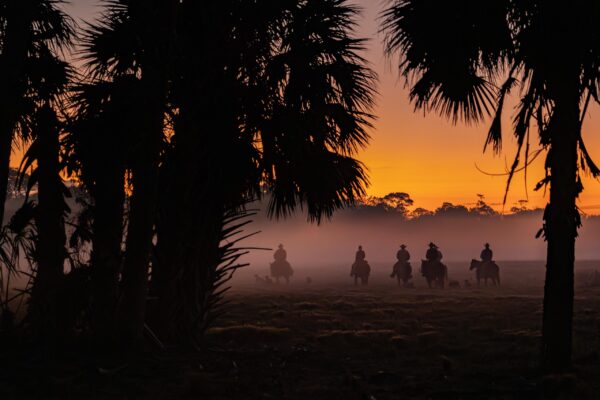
433 160
426 156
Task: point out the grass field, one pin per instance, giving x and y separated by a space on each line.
332 340
381 342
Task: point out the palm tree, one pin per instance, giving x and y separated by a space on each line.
282 102
50 80
28 29
134 38
462 59
98 144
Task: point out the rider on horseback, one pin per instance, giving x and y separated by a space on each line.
360 268
403 255
487 254
432 268
402 270
281 267
360 254
280 254
433 253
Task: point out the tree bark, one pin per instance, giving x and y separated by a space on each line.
561 223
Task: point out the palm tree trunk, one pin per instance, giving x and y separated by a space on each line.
142 215
187 242
45 307
109 198
132 306
561 223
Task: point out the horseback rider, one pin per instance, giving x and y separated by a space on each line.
360 268
280 254
487 254
433 253
280 267
403 255
360 255
402 269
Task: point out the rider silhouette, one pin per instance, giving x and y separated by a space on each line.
487 254
433 253
403 255
360 254
280 254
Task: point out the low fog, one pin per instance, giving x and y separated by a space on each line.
459 232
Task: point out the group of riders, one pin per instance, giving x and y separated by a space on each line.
432 269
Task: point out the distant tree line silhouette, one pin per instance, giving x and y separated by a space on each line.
401 204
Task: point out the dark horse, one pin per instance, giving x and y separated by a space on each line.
403 272
361 269
486 270
435 273
281 269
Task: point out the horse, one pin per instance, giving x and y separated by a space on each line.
486 270
403 272
435 273
361 269
281 269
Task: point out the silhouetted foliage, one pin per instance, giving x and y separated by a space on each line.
463 59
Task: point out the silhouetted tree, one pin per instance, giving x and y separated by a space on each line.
106 113
271 93
397 202
135 39
453 55
28 29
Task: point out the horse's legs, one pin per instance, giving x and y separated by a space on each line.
277 280
365 280
355 280
429 283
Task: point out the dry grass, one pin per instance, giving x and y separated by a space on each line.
384 343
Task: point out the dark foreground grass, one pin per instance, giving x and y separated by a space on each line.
383 343
340 342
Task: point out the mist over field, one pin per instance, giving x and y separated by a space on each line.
459 231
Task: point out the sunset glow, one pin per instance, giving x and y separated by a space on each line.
426 155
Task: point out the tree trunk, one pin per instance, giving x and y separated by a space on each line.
189 231
561 223
132 305
45 310
109 198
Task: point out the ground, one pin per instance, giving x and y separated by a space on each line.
384 342
332 340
